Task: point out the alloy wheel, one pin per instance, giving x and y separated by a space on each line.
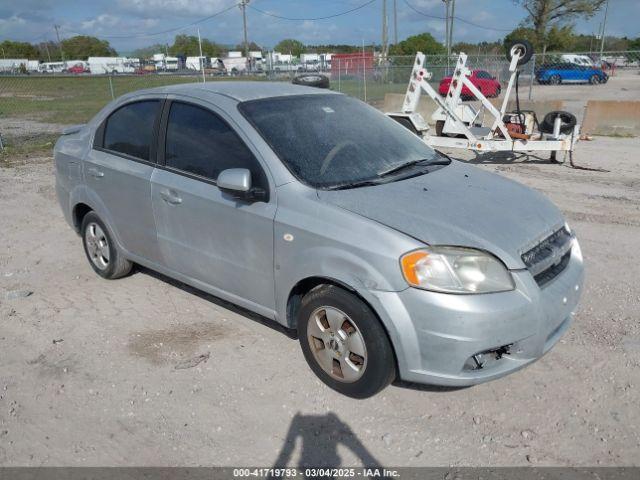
97 245
337 344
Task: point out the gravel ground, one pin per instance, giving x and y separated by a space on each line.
96 372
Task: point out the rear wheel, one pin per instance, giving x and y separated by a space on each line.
101 251
344 343
555 80
498 90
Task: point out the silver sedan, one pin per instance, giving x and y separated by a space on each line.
317 211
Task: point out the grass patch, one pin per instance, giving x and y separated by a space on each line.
17 149
70 100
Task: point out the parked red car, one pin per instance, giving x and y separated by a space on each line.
483 81
78 68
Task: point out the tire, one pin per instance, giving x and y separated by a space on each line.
101 250
525 48
568 122
594 80
311 80
339 330
555 80
439 127
498 91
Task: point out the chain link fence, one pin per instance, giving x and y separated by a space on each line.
68 98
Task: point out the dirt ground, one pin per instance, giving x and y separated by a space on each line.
96 372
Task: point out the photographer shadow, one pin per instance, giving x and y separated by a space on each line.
319 437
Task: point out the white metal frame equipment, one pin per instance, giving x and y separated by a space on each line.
461 120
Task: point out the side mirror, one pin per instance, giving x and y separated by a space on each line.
237 183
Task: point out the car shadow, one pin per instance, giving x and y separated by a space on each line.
267 322
318 438
426 388
508 158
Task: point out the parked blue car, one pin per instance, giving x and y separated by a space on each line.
558 73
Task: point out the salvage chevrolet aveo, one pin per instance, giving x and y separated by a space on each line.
314 209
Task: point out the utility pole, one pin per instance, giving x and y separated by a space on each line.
452 16
385 36
243 7
201 61
395 22
46 47
604 26
446 26
59 42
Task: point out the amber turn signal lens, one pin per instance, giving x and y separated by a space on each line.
409 262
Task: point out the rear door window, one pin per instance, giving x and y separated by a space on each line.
129 130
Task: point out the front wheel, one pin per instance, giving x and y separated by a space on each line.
344 343
594 80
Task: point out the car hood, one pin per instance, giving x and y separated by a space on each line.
458 205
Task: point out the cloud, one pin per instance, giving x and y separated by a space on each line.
182 8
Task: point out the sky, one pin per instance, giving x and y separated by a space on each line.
131 24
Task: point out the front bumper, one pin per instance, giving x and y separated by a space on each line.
436 335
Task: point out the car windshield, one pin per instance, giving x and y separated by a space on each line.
333 140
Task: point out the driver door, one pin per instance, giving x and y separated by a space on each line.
213 240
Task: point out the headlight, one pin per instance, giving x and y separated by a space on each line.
455 270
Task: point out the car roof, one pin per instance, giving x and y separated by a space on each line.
241 91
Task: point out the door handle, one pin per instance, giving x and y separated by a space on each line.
170 197
94 172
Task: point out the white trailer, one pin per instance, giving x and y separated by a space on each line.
461 125
165 62
12 64
235 65
196 63
171 63
105 65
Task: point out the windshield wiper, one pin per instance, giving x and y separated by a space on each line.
403 166
362 183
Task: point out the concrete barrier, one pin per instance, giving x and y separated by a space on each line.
612 117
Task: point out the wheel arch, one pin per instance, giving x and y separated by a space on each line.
78 213
306 285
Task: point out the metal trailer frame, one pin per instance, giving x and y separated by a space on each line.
481 139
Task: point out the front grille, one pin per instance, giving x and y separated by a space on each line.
550 257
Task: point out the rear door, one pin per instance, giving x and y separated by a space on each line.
118 170
205 234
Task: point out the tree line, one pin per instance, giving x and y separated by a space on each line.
548 26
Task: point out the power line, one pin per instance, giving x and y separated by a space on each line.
482 26
457 18
315 18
